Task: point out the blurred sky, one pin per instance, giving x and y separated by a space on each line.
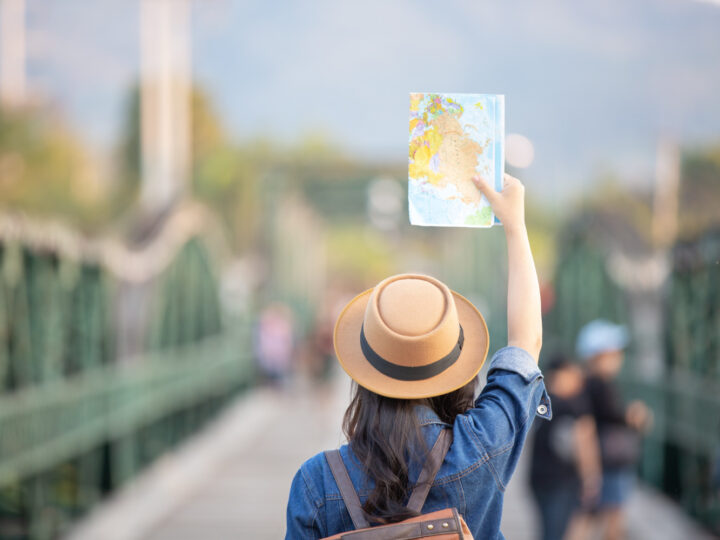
592 84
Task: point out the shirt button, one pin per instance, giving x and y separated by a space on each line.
542 409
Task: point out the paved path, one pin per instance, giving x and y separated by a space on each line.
231 481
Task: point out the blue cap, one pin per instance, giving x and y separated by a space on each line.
600 336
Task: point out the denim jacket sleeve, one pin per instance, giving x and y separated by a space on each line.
302 511
503 413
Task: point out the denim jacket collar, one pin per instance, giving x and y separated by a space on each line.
427 416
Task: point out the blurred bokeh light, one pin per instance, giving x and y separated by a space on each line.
519 151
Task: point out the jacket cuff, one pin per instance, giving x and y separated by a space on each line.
516 360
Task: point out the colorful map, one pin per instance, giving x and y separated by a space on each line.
452 138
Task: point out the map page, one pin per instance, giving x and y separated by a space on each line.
452 138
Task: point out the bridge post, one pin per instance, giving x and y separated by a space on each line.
165 100
12 52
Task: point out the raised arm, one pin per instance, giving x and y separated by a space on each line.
524 317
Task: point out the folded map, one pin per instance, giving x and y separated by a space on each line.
452 138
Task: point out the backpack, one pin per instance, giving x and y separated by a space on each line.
445 524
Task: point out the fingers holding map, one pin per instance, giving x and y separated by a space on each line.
454 137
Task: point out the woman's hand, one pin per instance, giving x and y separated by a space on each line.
508 204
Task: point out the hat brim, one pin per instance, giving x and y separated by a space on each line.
346 338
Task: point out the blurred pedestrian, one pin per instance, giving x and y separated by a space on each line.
565 466
321 359
601 345
418 440
274 343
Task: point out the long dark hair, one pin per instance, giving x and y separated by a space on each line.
384 434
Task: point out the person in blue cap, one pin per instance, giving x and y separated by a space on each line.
601 345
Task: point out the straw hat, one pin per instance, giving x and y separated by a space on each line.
411 337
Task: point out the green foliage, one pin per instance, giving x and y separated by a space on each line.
231 177
224 176
630 212
45 171
41 165
129 158
359 254
619 212
699 197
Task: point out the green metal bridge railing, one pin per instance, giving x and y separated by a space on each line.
683 448
692 387
76 418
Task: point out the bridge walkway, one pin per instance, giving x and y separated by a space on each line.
231 481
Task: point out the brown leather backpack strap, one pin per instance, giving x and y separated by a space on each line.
347 490
433 461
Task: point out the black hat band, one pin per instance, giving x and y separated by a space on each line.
410 373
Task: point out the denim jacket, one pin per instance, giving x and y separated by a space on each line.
487 441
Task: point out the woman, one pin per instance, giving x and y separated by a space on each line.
414 348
